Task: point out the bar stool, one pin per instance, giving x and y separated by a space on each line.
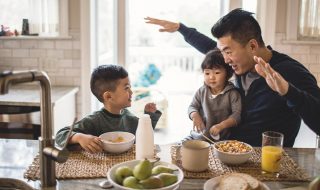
17 130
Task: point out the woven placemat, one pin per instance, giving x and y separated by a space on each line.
81 164
290 171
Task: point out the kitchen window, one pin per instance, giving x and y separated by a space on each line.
303 22
45 17
309 23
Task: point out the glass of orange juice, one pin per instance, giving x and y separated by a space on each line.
271 153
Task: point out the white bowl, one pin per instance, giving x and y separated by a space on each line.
232 158
132 163
117 147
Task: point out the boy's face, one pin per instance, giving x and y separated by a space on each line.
215 78
121 97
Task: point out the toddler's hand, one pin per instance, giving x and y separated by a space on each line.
150 107
215 130
90 143
198 124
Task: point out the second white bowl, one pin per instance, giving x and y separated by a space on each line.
232 158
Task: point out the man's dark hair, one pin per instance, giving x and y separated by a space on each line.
241 25
105 78
214 60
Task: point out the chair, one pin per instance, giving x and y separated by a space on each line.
20 122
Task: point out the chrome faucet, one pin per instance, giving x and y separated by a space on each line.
48 152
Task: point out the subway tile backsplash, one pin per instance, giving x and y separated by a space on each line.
59 58
307 54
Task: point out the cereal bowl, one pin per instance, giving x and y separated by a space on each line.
132 163
117 141
232 152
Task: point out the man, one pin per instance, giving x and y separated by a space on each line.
277 92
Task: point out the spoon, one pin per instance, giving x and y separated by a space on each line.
105 184
194 133
208 139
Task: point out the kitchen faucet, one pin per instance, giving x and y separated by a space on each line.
47 151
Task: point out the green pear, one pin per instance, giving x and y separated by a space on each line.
142 170
152 182
161 169
132 182
167 178
122 172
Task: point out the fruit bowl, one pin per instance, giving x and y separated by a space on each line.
131 164
117 141
232 152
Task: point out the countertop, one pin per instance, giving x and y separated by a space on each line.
17 155
29 95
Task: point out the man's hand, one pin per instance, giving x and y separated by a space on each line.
275 81
150 107
89 143
167 26
198 124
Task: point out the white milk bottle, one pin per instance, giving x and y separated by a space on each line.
144 138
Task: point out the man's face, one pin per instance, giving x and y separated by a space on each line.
239 57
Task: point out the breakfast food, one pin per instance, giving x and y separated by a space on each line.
233 146
117 140
239 181
231 182
143 176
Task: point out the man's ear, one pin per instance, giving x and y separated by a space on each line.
107 95
253 45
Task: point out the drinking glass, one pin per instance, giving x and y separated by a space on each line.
271 153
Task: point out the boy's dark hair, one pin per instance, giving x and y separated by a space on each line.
105 78
241 25
214 60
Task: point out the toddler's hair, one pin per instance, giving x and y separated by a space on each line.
105 78
214 60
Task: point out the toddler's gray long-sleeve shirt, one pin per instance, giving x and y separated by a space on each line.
215 109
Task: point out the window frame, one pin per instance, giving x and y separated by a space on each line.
292 33
63 18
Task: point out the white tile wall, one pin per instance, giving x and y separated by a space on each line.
11 44
20 53
30 44
59 58
46 44
308 55
5 53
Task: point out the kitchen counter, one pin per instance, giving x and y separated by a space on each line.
29 95
17 155
63 100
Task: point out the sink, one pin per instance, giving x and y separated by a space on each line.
14 184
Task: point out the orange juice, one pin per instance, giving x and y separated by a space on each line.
271 156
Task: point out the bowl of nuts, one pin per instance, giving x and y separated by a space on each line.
232 152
